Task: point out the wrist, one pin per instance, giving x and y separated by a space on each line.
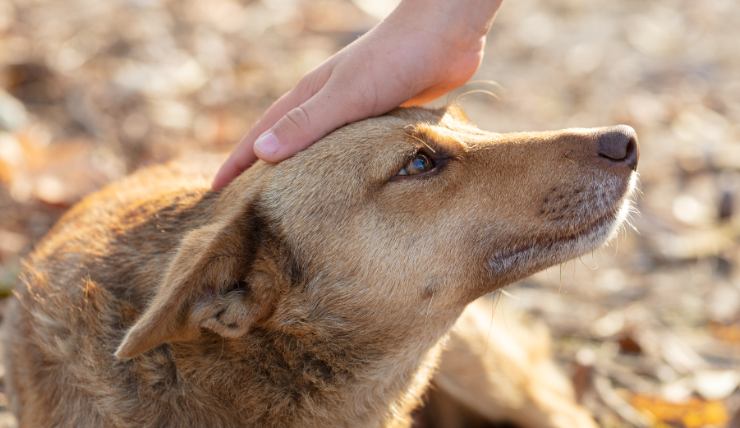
466 22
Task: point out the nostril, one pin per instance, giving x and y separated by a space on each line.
633 153
619 144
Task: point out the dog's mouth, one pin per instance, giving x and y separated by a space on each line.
544 251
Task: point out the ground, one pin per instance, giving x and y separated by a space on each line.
648 329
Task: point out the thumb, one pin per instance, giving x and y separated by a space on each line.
302 126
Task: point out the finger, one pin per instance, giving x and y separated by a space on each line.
242 157
309 85
239 160
303 125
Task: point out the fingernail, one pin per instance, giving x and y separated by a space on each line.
267 144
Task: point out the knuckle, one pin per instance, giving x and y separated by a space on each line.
306 85
313 82
298 118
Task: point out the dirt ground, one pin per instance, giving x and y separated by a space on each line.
648 328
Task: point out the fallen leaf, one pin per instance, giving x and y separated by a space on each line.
726 332
692 413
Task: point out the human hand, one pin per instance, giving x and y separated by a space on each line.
424 49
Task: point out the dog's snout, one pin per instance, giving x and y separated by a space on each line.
619 144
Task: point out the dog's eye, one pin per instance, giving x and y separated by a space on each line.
419 164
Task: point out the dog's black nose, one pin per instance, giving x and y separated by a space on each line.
619 144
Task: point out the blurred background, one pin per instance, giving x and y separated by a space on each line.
648 328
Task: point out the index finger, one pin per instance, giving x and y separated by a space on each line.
242 157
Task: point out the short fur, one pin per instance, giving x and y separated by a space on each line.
497 368
310 293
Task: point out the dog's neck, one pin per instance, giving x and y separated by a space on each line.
310 378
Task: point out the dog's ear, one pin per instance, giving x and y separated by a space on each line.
456 112
204 287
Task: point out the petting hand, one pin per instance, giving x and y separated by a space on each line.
424 49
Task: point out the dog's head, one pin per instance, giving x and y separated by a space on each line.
410 215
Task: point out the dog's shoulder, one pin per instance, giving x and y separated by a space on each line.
102 251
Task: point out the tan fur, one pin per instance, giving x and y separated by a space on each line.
498 367
311 293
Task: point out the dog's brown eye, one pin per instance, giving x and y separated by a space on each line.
419 164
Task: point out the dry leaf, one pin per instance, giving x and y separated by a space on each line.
727 333
693 413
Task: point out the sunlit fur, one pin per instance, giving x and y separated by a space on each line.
497 366
310 293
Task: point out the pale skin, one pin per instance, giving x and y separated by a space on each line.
421 51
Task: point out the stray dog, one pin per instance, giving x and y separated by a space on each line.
311 293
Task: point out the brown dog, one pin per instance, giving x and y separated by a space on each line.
311 293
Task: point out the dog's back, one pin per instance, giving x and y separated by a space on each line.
85 284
